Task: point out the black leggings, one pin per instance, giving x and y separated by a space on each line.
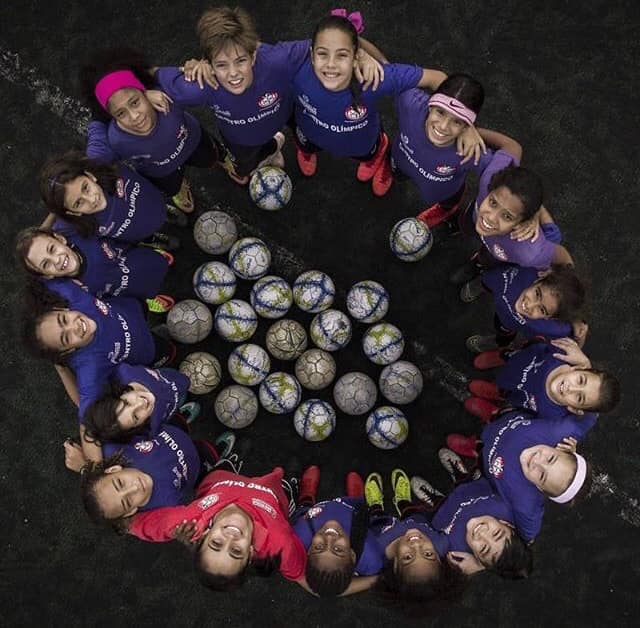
243 160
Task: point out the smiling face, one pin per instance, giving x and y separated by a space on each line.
330 547
333 59
83 195
65 330
537 302
550 469
414 556
574 388
487 536
442 127
135 406
499 213
50 256
132 111
233 67
122 491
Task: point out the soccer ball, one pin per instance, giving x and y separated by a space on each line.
271 296
314 420
270 188
215 232
249 258
410 239
355 393
315 369
313 291
214 282
286 339
203 370
189 321
368 301
387 427
248 364
280 393
236 406
401 382
330 330
236 320
383 343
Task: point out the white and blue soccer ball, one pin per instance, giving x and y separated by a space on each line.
250 258
236 320
368 301
383 343
387 427
315 369
410 239
215 232
286 339
236 406
314 291
314 420
270 188
355 393
189 321
330 330
271 296
249 364
280 393
401 382
203 371
214 282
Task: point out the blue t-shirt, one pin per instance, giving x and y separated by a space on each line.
507 283
170 458
466 501
331 121
114 268
435 170
121 335
255 116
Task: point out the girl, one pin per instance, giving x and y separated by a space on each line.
106 266
103 199
160 147
554 385
425 150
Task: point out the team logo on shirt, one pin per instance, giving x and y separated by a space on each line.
208 501
445 169
499 252
120 188
353 114
107 250
258 503
268 99
313 512
101 306
497 467
144 446
182 132
532 403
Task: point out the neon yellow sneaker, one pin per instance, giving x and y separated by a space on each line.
373 490
401 488
160 304
183 200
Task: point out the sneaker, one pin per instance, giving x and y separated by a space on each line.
472 290
162 241
481 408
307 162
367 169
373 490
453 464
401 488
489 360
231 463
354 485
276 158
382 179
466 272
168 358
190 411
484 389
309 482
176 217
225 442
170 258
183 200
463 445
425 491
160 304
291 487
436 215
479 343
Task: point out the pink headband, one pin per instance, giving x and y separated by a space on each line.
575 486
111 83
355 18
454 107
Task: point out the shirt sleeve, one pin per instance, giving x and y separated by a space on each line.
552 232
157 525
499 161
98 146
399 77
293 557
528 521
182 92
295 53
536 255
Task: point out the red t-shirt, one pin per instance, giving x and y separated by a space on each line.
262 498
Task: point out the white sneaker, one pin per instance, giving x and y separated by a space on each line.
425 491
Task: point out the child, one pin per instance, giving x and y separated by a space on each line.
552 385
106 266
103 199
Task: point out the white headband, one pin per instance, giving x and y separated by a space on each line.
576 484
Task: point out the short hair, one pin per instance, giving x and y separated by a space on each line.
564 282
464 88
524 184
220 27
609 396
328 583
516 560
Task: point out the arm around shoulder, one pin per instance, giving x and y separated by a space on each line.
500 141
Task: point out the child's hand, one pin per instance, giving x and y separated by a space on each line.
368 71
527 230
470 145
201 71
572 353
74 458
159 100
568 444
580 331
465 562
184 532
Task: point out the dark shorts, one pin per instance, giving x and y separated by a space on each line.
243 160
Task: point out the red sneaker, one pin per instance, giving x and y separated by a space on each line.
488 360
435 215
170 258
481 408
463 445
309 483
484 389
354 485
307 162
366 169
382 179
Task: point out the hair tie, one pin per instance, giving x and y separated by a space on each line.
112 82
355 18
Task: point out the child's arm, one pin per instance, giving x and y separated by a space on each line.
159 525
359 584
431 79
571 353
98 146
562 256
372 50
500 141
91 448
68 379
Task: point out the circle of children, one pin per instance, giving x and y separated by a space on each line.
98 261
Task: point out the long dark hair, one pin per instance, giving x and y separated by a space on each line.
464 88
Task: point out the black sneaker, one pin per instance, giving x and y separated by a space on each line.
291 487
230 463
466 272
176 217
162 241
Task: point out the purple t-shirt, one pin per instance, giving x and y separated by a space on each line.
255 116
167 386
170 458
172 141
113 268
538 254
507 283
436 171
466 501
503 442
330 121
121 335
